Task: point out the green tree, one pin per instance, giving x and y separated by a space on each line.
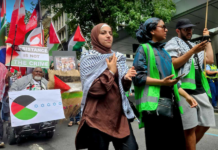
124 13
8 27
128 14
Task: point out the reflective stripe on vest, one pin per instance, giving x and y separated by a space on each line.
188 82
147 96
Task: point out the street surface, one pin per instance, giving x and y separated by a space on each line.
64 139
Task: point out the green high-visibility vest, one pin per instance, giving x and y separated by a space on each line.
212 68
188 82
147 96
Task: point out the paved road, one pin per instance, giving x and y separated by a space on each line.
65 136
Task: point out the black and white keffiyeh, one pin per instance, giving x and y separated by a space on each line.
92 65
176 47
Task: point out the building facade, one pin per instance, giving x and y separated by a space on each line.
59 24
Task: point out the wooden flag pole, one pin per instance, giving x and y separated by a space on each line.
205 27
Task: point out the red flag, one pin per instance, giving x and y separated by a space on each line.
53 35
34 19
17 18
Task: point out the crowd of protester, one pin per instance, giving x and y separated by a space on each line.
172 90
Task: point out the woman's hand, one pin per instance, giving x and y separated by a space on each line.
191 101
112 65
131 73
168 81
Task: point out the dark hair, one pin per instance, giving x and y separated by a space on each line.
143 34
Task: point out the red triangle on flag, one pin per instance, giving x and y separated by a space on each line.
78 35
58 84
53 35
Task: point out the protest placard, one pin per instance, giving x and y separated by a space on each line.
30 56
30 107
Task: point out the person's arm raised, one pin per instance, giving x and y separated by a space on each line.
209 49
180 61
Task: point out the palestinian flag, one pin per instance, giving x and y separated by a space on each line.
53 40
58 84
51 47
76 41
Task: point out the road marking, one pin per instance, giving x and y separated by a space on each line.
212 134
36 147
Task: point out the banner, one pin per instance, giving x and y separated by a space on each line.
71 88
30 107
30 56
67 81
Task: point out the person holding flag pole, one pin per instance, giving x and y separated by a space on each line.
189 59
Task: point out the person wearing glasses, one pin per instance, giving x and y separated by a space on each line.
31 82
34 81
155 83
188 60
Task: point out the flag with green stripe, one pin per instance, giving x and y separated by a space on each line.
76 41
51 47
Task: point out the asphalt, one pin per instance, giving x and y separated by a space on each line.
64 138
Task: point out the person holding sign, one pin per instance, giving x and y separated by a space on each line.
188 58
32 82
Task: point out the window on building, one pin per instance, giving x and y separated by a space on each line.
127 56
